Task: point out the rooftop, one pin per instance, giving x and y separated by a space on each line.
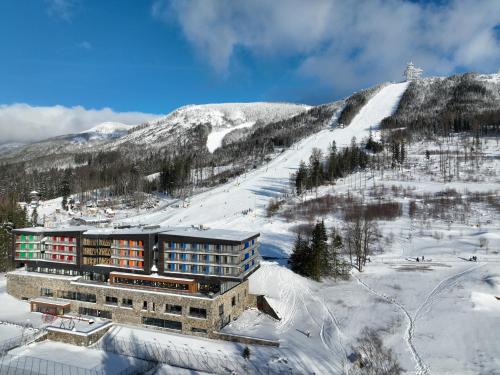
76 228
215 234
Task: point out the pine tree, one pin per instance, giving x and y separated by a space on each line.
300 257
300 178
318 251
34 217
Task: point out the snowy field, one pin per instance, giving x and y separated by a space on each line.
439 316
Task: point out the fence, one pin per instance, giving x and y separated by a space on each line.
28 335
26 365
185 357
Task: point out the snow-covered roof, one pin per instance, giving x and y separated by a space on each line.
30 230
51 301
66 229
131 230
213 234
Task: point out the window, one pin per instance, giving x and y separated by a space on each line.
233 301
145 305
85 297
162 323
126 302
207 246
221 309
197 312
111 300
199 330
246 245
94 312
173 309
46 292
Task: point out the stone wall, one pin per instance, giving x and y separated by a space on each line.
235 301
77 338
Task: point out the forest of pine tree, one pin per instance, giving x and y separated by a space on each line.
11 216
318 255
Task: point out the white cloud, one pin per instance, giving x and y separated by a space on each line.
343 43
25 123
63 9
85 45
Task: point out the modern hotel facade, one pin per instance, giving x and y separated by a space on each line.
184 279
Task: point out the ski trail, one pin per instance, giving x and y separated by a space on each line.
440 287
288 298
330 333
421 367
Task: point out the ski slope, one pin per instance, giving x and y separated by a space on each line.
222 207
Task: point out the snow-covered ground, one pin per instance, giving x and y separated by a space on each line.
439 316
223 206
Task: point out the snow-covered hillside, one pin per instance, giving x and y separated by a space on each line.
222 206
219 118
438 316
108 128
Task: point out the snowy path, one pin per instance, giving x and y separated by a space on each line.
447 283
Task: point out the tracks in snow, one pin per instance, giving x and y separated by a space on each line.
421 368
425 306
294 292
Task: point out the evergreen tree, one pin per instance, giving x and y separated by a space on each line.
34 217
11 216
402 154
300 178
319 251
299 262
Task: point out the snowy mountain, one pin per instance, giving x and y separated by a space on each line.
211 122
109 128
218 120
102 132
430 314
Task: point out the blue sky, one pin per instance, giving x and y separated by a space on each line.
116 54
125 60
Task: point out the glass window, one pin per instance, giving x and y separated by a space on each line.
198 312
173 309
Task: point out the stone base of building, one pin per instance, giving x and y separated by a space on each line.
183 313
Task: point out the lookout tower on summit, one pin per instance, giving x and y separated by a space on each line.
411 72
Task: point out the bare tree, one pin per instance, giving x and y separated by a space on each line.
373 358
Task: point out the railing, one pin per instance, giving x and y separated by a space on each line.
188 358
26 337
26 365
